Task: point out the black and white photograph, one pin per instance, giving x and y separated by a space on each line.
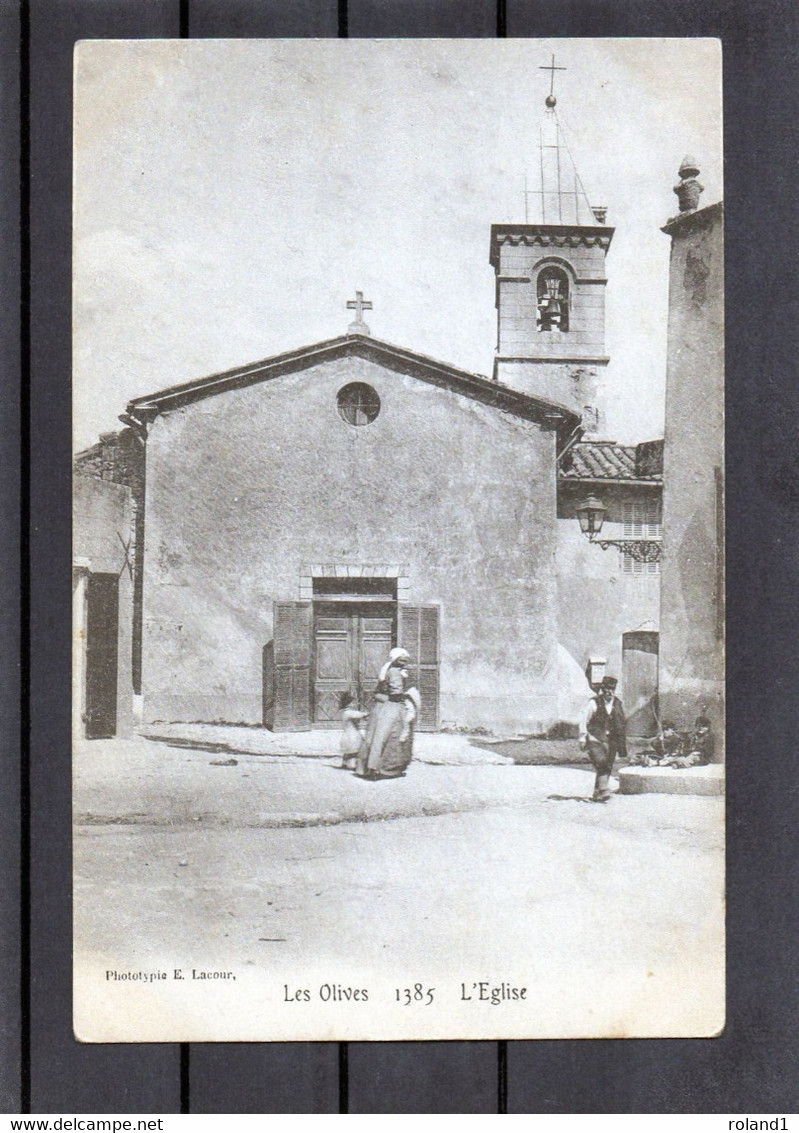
398 540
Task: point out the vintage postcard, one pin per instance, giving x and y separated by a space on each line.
398 540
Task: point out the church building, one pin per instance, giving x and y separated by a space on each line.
296 518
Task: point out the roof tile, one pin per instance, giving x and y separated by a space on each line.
603 460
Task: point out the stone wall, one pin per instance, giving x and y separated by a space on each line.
518 305
117 457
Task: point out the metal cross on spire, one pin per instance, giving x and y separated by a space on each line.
551 100
358 305
555 194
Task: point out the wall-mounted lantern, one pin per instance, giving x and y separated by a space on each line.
591 515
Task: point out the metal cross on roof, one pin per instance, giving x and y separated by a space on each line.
552 69
358 305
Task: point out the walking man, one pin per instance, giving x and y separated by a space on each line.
603 734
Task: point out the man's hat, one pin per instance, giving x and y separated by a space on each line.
609 682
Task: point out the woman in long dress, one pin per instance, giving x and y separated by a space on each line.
388 744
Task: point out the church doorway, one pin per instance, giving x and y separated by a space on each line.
338 642
351 643
354 627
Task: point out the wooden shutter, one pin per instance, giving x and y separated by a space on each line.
292 636
418 632
642 520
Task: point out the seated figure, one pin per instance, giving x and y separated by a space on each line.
665 744
669 742
698 748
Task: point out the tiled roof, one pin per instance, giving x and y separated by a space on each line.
606 460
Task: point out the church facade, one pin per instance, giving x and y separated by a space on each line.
306 516
299 517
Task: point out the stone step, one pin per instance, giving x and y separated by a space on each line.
707 780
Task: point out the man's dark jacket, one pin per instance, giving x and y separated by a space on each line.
609 726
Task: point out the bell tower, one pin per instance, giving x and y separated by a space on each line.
550 284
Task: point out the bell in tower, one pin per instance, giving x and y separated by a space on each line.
550 283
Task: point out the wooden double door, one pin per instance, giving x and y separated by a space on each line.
351 642
322 648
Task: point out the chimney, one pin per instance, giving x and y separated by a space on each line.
649 459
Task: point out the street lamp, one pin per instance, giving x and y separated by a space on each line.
591 514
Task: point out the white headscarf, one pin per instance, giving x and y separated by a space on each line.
394 655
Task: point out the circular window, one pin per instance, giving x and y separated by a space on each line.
358 403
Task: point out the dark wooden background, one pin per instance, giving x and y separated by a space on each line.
751 1068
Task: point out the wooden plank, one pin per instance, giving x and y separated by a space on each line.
267 19
264 1078
10 487
430 1077
647 1076
65 1075
607 18
422 18
582 1077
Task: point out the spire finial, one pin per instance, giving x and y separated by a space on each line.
550 100
689 190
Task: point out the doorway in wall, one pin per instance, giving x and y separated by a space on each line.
339 641
354 627
102 643
640 681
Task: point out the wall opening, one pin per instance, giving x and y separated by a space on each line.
102 643
640 681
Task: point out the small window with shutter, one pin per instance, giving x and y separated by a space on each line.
642 520
418 632
292 637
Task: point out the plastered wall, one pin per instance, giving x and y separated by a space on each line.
246 487
691 662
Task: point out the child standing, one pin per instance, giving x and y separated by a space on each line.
351 737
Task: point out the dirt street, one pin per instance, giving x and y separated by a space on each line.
295 872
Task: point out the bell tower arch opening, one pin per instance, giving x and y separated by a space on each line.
552 300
